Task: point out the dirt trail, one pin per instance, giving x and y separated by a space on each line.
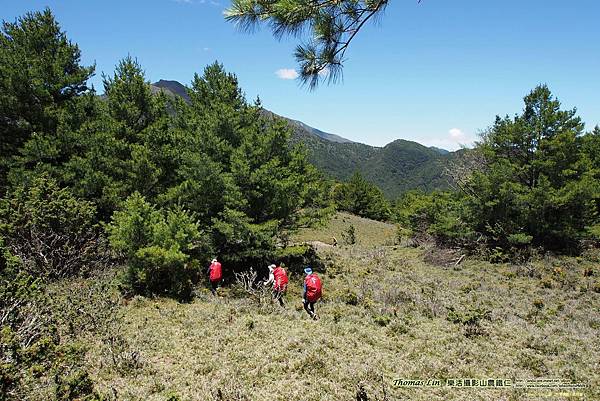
319 244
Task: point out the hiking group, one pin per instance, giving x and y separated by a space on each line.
311 289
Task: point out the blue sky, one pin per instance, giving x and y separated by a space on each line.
437 72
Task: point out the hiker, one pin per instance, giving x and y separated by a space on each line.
215 274
311 292
278 277
334 242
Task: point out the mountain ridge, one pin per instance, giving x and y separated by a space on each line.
397 167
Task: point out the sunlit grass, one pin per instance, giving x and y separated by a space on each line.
385 314
368 232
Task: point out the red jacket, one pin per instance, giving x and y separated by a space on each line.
216 272
280 278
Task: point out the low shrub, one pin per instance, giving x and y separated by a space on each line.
398 328
349 235
470 320
53 233
382 320
160 247
35 362
350 297
84 307
165 272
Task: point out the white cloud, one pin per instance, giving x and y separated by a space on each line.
287 73
455 139
456 134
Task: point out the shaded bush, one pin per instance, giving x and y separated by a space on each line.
159 246
470 319
382 320
440 217
350 297
53 233
349 235
158 271
362 198
296 258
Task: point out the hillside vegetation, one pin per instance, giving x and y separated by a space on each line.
403 165
112 207
396 168
386 314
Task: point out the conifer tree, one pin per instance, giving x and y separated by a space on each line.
332 25
535 187
362 198
40 75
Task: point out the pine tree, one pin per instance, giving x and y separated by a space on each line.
332 26
535 188
40 75
127 146
362 198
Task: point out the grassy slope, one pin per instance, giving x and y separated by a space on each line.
544 321
369 233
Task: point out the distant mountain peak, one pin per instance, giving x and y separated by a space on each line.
399 166
176 88
168 82
171 87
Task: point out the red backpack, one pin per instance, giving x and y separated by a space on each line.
215 272
313 287
281 279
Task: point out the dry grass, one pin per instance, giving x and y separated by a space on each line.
368 232
385 314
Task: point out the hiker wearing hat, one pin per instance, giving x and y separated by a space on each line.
215 274
311 292
278 277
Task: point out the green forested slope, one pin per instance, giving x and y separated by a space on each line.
395 168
